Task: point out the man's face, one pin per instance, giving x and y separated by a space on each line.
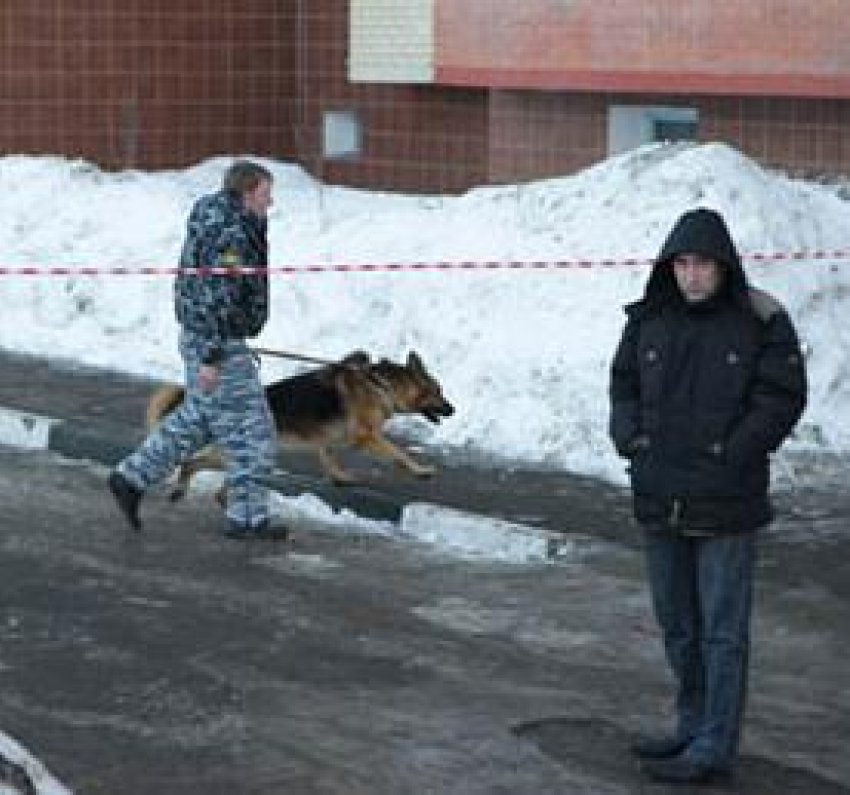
698 277
259 199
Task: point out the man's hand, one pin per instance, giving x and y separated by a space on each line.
208 377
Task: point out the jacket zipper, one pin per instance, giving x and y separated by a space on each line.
675 513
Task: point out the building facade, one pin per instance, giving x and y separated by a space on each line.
424 95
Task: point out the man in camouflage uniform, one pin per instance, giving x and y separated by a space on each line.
224 402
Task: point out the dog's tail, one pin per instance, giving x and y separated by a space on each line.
162 402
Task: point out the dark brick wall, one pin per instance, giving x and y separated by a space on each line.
540 133
166 83
144 82
414 137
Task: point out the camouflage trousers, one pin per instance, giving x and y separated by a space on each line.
234 415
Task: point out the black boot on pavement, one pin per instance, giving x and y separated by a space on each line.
657 747
128 498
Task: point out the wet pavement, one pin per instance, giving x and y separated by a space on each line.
180 662
102 415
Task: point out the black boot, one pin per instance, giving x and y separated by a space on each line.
128 498
658 747
268 530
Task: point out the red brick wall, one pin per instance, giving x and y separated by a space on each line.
166 83
418 137
438 139
538 134
764 47
797 135
143 82
162 83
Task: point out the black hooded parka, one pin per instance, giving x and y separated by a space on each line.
702 392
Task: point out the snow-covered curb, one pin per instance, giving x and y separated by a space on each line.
455 533
474 537
23 429
458 534
13 752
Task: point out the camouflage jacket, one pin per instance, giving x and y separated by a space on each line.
217 308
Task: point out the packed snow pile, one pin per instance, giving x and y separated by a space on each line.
522 353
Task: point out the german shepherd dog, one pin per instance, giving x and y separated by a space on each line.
345 403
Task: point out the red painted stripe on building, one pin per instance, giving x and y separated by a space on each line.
656 82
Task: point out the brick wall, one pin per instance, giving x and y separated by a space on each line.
805 136
166 83
539 133
414 137
390 41
143 82
535 134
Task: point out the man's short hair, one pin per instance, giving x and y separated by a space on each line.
243 176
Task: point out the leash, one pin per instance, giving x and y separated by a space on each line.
298 357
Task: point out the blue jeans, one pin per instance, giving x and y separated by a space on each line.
702 596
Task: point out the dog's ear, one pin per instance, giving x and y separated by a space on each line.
415 363
356 359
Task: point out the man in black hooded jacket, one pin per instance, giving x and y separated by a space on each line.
706 383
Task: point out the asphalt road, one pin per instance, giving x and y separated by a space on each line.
179 662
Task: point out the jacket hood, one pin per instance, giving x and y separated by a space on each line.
702 232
